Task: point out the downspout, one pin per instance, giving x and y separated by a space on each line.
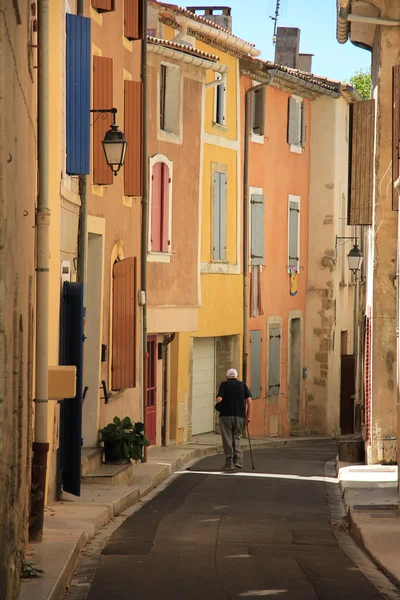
144 224
166 391
82 228
41 444
247 131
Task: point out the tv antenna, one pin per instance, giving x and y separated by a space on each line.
275 19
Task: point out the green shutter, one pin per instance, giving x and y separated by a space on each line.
294 219
274 361
293 122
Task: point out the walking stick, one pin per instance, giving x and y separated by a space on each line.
251 453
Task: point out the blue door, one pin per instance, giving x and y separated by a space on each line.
71 408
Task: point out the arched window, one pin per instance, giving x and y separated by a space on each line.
160 208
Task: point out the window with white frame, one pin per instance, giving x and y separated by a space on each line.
220 101
294 233
297 123
258 110
170 98
160 222
219 216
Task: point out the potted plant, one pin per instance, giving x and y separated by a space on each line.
123 441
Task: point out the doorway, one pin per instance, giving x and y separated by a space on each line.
347 391
151 408
295 371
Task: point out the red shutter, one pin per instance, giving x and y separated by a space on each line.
103 5
396 134
133 21
124 325
166 182
102 99
133 133
156 207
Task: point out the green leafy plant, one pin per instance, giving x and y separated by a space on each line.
123 441
361 80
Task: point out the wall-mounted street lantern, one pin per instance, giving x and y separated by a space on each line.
355 259
114 143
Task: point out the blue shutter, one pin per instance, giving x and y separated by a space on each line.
78 95
255 363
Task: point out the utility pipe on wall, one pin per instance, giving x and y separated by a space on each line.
41 444
82 228
247 132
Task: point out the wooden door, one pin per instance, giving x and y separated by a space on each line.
151 409
347 389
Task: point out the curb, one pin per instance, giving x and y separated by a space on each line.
118 506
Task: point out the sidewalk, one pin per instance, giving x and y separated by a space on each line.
371 498
70 523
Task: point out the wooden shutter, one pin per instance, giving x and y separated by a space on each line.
102 99
362 162
274 361
103 5
133 19
396 135
259 111
257 229
294 221
293 122
303 124
124 324
255 363
219 216
165 209
156 207
78 95
133 134
220 90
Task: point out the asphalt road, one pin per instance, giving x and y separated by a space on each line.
228 536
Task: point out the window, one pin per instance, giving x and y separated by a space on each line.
103 5
255 363
133 133
78 95
274 361
294 233
133 19
297 123
257 229
259 97
160 208
170 98
124 325
219 216
220 102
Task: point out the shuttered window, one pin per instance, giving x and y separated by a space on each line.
255 363
103 5
160 208
123 366
297 122
361 178
78 95
259 98
219 216
133 133
396 134
220 104
170 98
102 99
294 233
133 19
257 229
274 361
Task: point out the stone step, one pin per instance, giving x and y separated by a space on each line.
111 475
91 459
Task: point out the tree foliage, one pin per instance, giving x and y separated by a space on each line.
361 80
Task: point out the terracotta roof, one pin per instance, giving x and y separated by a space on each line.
199 18
182 48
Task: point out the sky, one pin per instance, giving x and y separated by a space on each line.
317 21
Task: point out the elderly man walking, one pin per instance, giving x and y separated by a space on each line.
234 407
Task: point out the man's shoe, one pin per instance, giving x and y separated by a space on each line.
227 468
238 466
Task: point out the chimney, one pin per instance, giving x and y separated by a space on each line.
287 47
305 62
220 15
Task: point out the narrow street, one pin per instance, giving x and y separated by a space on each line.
243 535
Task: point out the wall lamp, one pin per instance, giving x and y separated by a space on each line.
354 257
114 143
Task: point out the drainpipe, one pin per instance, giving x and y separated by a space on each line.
144 225
346 16
82 228
247 132
41 444
166 391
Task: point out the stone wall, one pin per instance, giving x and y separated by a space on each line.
17 229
